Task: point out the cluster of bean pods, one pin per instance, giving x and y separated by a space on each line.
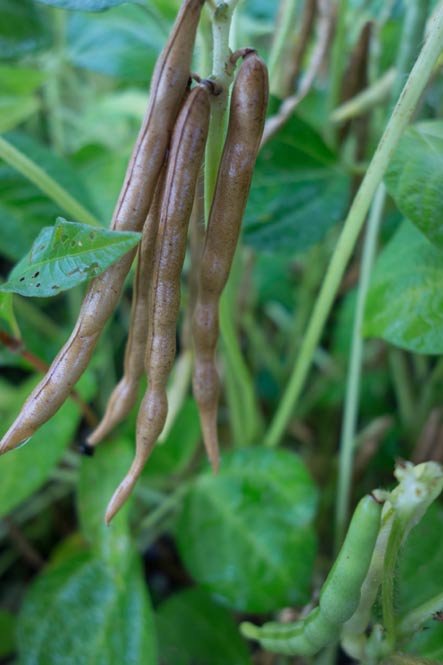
157 198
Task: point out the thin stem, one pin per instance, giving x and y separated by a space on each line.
400 117
285 25
402 386
388 583
347 443
75 210
337 55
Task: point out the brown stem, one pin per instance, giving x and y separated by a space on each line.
16 346
26 549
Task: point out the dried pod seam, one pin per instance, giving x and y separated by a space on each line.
185 158
246 122
169 83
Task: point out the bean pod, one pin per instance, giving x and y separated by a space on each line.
339 596
125 394
246 121
183 168
169 83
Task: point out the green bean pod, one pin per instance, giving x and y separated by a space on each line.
339 596
169 84
246 121
125 394
183 168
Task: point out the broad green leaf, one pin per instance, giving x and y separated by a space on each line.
81 611
85 5
25 470
7 628
420 578
405 300
65 255
175 453
246 535
20 80
22 28
99 477
298 192
414 178
123 42
14 110
193 629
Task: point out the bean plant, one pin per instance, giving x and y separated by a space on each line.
314 532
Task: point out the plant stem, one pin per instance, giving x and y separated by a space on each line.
285 24
402 386
388 583
337 55
45 183
347 443
400 117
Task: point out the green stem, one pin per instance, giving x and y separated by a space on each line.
388 583
412 35
402 386
347 443
285 25
73 209
337 55
400 117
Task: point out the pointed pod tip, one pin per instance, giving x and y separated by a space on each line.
249 630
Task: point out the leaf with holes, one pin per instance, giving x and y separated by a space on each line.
65 255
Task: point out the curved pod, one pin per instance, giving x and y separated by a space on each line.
169 83
183 168
246 122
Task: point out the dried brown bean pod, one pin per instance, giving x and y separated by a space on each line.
168 86
246 121
185 158
125 394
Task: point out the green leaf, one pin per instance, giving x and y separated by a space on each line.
405 300
175 453
85 5
25 470
22 28
298 192
65 255
193 629
420 578
14 110
414 178
246 535
7 629
99 476
20 80
421 562
124 42
81 611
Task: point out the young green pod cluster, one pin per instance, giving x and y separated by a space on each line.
246 122
183 168
169 83
339 596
